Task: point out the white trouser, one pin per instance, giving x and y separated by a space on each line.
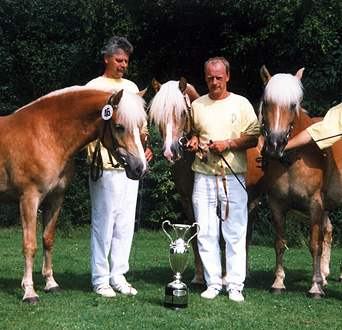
113 199
233 229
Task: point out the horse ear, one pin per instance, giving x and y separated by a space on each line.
265 76
299 73
182 84
117 97
141 93
156 85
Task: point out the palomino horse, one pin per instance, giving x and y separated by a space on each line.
308 180
169 110
37 148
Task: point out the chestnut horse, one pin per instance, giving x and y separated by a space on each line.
308 180
37 148
170 111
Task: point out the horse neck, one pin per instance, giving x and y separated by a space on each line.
302 121
77 126
191 92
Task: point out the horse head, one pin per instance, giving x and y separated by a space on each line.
279 108
170 111
124 116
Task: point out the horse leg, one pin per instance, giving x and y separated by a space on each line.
198 279
50 214
183 178
315 246
252 216
279 218
223 260
28 214
325 259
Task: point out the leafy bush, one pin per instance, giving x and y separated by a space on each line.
46 45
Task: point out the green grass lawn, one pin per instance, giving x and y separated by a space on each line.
79 308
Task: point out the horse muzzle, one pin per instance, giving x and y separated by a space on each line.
173 153
275 145
136 167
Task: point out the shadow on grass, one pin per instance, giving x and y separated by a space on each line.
298 280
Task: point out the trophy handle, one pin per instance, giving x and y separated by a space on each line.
193 225
170 224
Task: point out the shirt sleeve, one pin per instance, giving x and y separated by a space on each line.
327 132
250 125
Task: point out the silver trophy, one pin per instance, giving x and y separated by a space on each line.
176 292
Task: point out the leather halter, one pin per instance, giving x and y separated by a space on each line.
187 128
96 169
265 158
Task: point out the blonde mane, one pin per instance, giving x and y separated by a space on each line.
284 90
167 102
130 113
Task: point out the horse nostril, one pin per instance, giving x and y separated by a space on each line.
139 170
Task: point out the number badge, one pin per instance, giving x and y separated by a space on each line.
107 112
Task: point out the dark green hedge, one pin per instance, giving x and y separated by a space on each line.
46 45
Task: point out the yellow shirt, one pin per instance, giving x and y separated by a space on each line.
101 82
330 126
230 118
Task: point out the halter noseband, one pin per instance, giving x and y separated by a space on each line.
183 140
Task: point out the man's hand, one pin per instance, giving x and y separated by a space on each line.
192 145
218 146
148 154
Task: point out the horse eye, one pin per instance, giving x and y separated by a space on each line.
183 113
119 128
265 104
293 106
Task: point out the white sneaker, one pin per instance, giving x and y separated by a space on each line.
125 288
211 292
104 290
235 295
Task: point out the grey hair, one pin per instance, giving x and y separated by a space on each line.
115 45
218 59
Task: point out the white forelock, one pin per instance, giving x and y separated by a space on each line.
284 89
167 102
131 111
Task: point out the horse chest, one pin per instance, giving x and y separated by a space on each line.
297 183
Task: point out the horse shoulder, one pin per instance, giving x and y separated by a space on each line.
333 175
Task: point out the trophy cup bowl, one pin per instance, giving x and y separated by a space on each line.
176 292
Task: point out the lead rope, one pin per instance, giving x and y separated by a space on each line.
96 168
218 204
257 206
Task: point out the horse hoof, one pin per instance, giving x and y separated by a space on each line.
54 289
248 278
197 286
315 295
31 300
277 290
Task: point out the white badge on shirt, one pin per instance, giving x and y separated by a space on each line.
107 112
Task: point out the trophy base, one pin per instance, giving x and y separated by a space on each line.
176 296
